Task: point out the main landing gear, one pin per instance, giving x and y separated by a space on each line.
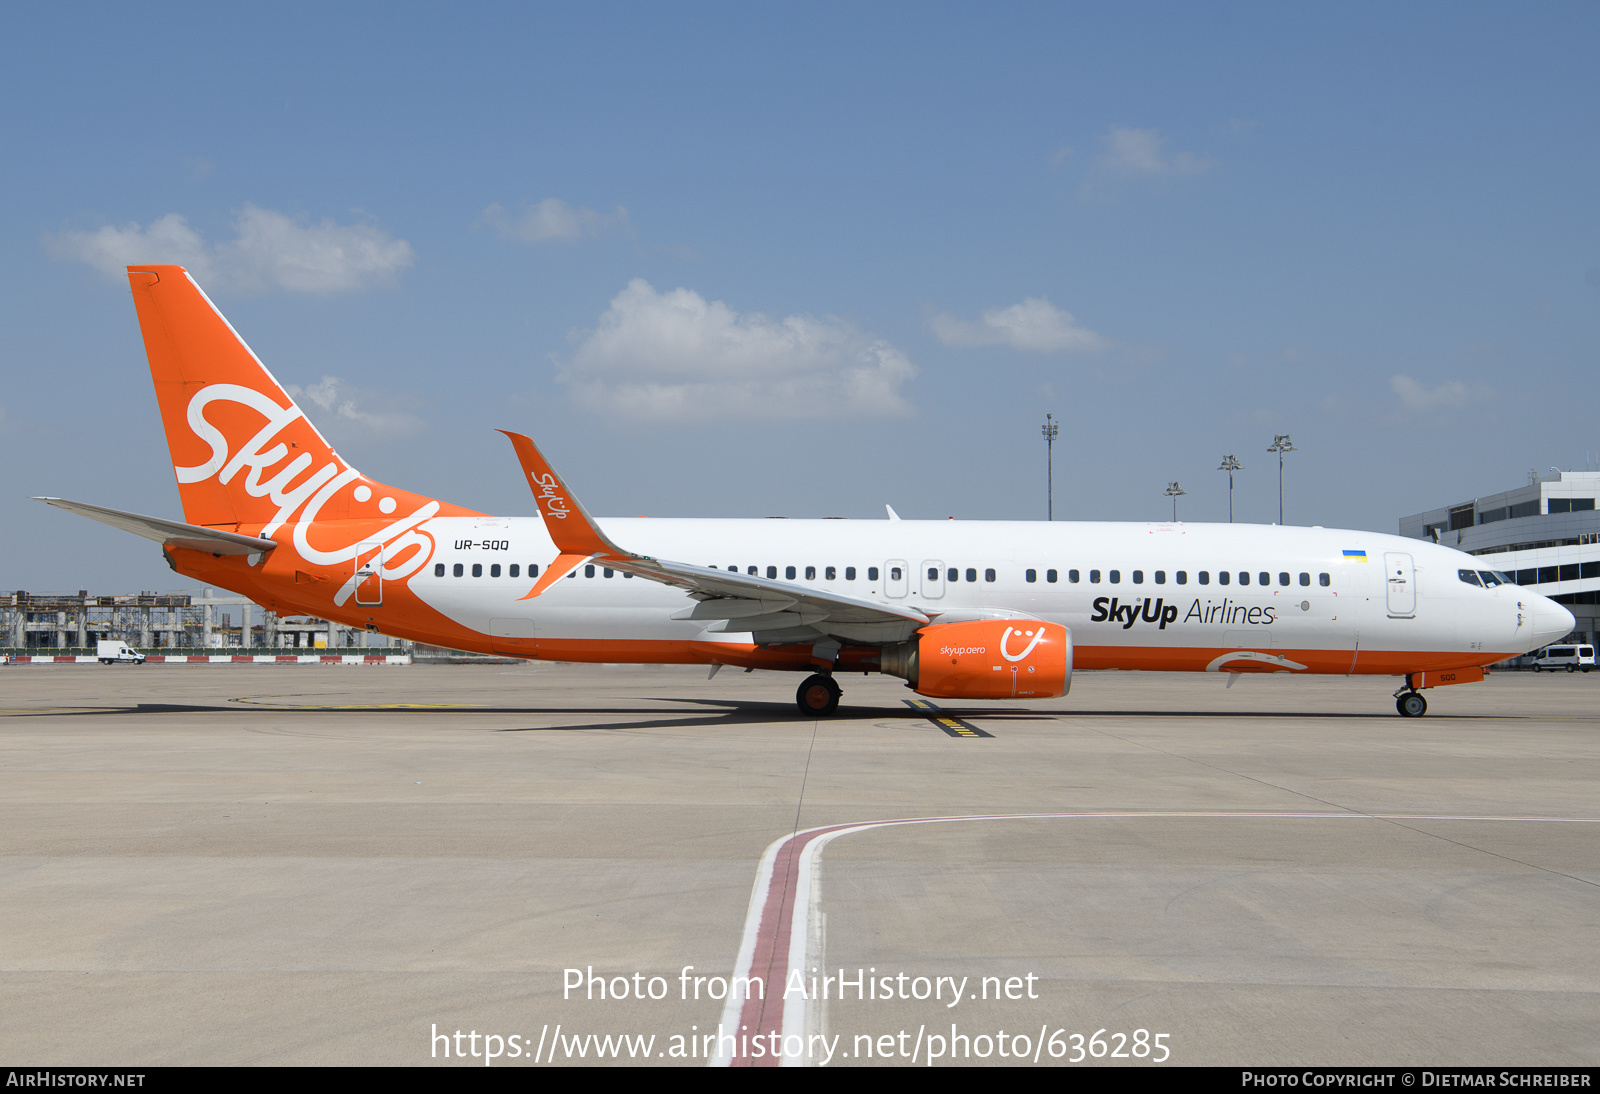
1410 703
818 696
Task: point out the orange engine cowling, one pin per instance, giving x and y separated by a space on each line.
985 659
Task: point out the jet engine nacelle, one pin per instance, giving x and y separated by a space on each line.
985 659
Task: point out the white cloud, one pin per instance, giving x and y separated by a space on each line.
109 249
1451 394
270 251
673 355
1035 325
1136 153
368 411
552 218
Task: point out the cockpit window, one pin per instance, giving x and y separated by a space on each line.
1489 580
1469 576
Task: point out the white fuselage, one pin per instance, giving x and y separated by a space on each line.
1126 591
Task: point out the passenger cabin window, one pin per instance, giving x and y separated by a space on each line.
514 570
458 569
972 574
438 571
1116 577
608 572
952 574
1264 578
772 571
494 571
1222 577
830 573
1182 577
751 571
1324 580
933 573
1072 576
811 573
1244 577
1094 577
1204 577
894 573
988 575
1283 579
788 573
533 570
588 571
1305 579
1161 577
1469 576
849 573
1138 577
872 573
1050 576
1030 576
477 569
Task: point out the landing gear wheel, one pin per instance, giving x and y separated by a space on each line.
1411 705
818 696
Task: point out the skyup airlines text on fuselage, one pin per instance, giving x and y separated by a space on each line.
966 610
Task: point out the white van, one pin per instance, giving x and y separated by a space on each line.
113 651
1570 658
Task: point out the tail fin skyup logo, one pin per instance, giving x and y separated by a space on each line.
300 500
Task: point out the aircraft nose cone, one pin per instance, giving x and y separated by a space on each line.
1551 621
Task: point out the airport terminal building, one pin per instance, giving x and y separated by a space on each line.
1545 534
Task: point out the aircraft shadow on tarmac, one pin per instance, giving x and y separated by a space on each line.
722 712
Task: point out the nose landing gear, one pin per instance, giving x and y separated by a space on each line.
1410 703
818 696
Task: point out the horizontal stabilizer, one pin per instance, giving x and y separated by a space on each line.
168 533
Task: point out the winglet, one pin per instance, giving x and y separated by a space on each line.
569 524
574 531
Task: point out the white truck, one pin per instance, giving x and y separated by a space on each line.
113 651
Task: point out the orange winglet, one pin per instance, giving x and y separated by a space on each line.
565 518
560 568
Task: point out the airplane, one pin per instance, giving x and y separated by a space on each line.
975 610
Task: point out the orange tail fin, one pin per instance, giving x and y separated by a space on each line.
243 453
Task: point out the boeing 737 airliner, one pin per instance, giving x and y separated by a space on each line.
965 610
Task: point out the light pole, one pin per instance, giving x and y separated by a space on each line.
1051 428
1280 445
1174 491
1230 465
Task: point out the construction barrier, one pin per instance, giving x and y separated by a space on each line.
235 659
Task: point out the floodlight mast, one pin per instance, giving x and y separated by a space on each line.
1230 465
1051 428
1174 491
1280 445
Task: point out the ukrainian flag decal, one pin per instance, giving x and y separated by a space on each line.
1355 556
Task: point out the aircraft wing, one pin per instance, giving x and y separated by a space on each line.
774 611
168 533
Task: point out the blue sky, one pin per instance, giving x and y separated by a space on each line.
748 260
